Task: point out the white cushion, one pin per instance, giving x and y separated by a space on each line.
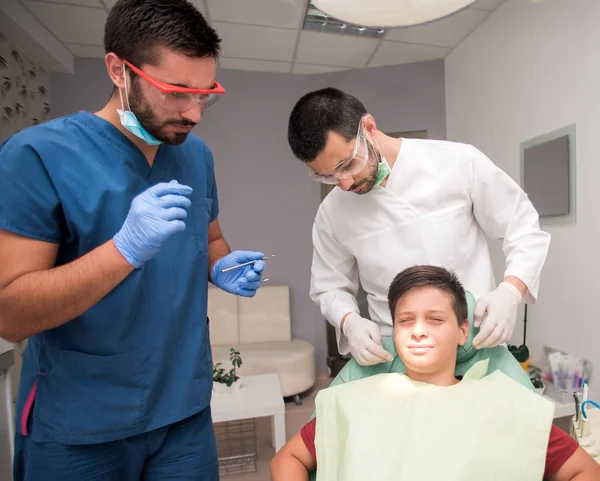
293 362
223 315
266 316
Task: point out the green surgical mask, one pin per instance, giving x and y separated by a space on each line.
383 170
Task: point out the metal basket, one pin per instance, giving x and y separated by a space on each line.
237 446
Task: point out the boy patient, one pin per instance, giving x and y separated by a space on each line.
430 313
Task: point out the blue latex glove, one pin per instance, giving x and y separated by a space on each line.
243 281
154 216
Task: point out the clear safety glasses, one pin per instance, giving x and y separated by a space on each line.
351 165
180 99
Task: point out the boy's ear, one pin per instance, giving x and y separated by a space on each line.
464 333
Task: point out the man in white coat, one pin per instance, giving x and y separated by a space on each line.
404 202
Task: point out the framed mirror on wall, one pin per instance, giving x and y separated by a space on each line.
335 361
548 175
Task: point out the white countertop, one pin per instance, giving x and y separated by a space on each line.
258 396
564 404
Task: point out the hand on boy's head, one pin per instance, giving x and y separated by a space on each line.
496 315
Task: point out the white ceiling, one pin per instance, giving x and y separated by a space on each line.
267 35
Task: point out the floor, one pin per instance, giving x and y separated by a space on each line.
295 418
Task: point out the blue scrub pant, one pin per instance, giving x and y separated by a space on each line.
184 451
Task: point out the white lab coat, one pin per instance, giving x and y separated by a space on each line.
440 201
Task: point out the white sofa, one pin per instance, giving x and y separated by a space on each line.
260 329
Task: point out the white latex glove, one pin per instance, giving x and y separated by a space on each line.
364 339
501 307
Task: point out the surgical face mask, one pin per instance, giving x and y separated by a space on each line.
130 121
378 170
383 170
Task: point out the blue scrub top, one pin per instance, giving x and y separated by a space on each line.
140 359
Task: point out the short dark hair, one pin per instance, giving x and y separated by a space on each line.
316 114
134 28
423 276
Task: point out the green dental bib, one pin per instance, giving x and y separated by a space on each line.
389 428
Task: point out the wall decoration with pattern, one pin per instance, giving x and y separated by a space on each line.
24 90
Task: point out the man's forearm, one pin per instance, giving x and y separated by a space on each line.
38 301
217 249
344 321
518 283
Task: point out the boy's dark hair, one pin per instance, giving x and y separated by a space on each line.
134 28
316 114
423 276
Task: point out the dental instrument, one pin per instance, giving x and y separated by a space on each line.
246 264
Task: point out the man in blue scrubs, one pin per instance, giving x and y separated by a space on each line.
108 238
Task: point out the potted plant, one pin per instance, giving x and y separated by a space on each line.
227 382
535 375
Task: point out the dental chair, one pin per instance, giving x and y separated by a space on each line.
499 358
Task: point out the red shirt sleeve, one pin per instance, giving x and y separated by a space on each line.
308 436
561 447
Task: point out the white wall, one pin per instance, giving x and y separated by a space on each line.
529 69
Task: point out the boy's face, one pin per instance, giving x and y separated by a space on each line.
426 331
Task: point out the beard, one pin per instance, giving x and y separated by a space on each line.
146 116
368 182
